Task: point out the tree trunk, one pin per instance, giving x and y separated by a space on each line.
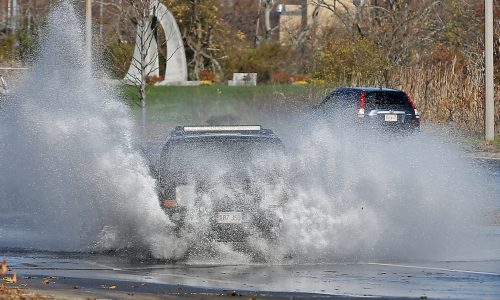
143 63
268 6
142 96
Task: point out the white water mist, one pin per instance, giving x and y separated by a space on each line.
71 179
362 195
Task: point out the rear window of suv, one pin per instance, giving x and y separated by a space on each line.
341 99
386 100
199 157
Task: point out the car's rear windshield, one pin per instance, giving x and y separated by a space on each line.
198 155
386 100
341 99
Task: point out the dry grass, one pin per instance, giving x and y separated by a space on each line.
447 93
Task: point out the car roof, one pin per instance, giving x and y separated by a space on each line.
367 89
220 132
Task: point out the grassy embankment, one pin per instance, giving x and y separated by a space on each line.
262 104
478 143
188 104
266 105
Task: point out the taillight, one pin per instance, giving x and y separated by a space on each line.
361 111
411 102
168 203
417 114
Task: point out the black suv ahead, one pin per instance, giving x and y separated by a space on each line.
212 181
372 106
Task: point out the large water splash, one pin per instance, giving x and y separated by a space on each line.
357 194
71 179
365 195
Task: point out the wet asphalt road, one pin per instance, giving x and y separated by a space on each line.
456 280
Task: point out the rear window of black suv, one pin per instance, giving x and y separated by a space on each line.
392 100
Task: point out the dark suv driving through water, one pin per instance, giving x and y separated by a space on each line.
213 179
388 108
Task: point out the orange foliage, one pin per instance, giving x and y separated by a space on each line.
151 80
280 77
207 75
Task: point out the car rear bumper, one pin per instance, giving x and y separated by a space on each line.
266 224
409 124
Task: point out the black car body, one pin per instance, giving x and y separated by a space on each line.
202 158
374 107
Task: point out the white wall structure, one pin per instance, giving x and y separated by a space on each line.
176 66
243 79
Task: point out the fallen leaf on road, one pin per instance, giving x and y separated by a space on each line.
4 268
45 281
108 286
8 280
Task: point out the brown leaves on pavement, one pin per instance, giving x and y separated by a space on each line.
11 293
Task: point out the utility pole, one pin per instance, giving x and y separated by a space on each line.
101 14
489 112
12 15
88 29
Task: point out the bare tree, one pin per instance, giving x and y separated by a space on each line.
241 17
200 37
267 6
309 29
403 29
116 17
145 60
205 34
341 9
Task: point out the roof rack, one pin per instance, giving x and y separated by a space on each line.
220 128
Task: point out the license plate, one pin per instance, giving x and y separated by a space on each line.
391 118
231 217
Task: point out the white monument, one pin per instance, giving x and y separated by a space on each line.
176 66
